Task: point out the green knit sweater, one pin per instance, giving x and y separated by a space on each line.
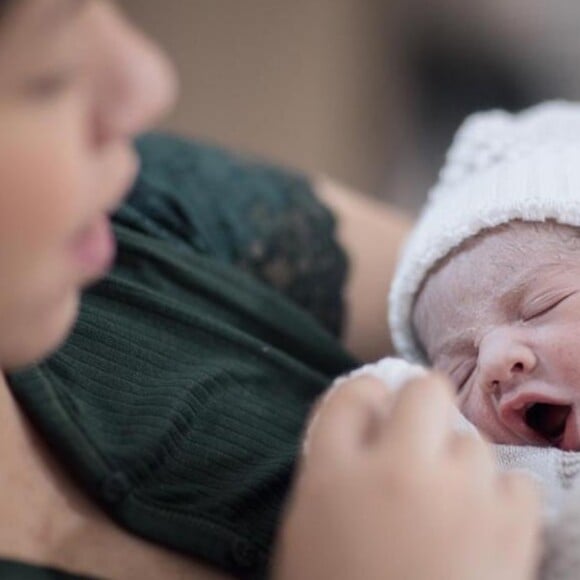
179 399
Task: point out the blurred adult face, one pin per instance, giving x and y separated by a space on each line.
77 83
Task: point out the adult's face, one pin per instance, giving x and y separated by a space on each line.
77 83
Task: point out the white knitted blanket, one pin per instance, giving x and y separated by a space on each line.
556 471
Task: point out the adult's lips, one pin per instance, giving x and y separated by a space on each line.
94 248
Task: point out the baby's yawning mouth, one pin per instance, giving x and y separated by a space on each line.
549 421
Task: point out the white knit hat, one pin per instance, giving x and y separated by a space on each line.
500 167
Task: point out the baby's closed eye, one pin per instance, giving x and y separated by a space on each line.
543 304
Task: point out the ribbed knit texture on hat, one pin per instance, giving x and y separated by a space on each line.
500 167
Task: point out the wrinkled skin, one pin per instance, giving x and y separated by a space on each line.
501 316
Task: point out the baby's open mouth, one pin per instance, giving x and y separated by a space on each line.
548 421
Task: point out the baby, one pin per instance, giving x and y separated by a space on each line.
488 289
501 316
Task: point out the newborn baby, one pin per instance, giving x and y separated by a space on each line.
501 316
488 288
488 291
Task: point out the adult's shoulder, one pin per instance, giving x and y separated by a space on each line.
209 197
254 215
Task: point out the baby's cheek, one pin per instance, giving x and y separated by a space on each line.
478 413
565 344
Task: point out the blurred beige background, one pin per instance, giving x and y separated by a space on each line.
303 82
368 91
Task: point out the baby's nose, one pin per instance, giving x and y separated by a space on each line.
504 360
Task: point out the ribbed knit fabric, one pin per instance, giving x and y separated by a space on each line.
21 571
181 396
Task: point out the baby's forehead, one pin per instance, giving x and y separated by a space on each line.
510 248
481 276
471 266
515 239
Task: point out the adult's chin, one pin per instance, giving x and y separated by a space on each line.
33 339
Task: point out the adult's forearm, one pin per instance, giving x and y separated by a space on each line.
371 232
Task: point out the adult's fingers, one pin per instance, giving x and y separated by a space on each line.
522 492
347 419
421 417
521 509
475 455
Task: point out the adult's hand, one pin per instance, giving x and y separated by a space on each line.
388 490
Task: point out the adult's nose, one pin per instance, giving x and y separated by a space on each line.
135 82
504 360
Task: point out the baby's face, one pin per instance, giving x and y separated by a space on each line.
502 318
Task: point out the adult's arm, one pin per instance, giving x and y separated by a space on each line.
371 232
285 229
